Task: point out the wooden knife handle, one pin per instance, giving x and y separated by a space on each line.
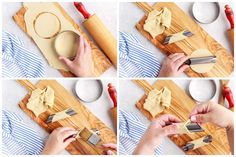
144 6
144 84
27 84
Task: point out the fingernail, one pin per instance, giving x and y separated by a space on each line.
109 152
193 118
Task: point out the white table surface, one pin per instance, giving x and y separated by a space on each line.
130 14
8 24
13 93
130 93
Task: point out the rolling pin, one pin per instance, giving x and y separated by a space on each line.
103 37
230 16
113 95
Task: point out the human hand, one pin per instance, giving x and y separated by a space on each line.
173 65
58 140
158 129
213 113
111 146
82 65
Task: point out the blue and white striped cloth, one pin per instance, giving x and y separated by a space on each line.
130 132
17 61
134 59
17 137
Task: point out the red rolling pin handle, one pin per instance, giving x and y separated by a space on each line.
230 15
229 96
80 7
113 94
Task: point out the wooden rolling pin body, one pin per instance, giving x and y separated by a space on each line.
114 116
230 33
102 36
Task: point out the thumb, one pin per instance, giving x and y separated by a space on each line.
169 130
68 141
65 60
200 118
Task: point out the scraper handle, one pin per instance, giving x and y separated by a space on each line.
80 7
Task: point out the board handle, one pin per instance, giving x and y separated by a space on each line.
144 6
144 85
27 84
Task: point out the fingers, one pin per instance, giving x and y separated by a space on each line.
183 68
200 118
168 119
169 130
109 152
200 108
110 145
174 55
66 134
180 61
80 49
68 141
65 60
62 129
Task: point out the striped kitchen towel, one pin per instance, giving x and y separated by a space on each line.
135 60
130 132
17 137
17 61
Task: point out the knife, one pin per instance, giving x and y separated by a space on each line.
197 143
177 37
201 60
61 115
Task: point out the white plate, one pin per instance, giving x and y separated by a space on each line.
88 90
202 90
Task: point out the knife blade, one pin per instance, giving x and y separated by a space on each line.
195 143
177 37
201 60
55 117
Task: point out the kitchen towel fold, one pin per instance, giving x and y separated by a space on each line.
134 59
130 132
17 137
17 61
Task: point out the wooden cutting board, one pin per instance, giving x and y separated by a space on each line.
101 62
200 40
181 106
83 118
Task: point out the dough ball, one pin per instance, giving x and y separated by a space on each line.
47 25
201 68
66 44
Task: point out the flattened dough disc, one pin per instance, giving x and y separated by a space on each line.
66 44
47 25
201 68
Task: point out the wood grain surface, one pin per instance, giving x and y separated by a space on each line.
181 106
83 118
101 62
200 40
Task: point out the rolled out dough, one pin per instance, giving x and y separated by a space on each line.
47 25
40 100
66 44
33 9
201 68
198 143
156 101
181 127
157 21
60 115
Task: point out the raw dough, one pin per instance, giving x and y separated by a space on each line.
60 115
157 21
47 25
201 68
33 9
181 127
70 48
177 37
40 100
199 143
156 101
49 97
